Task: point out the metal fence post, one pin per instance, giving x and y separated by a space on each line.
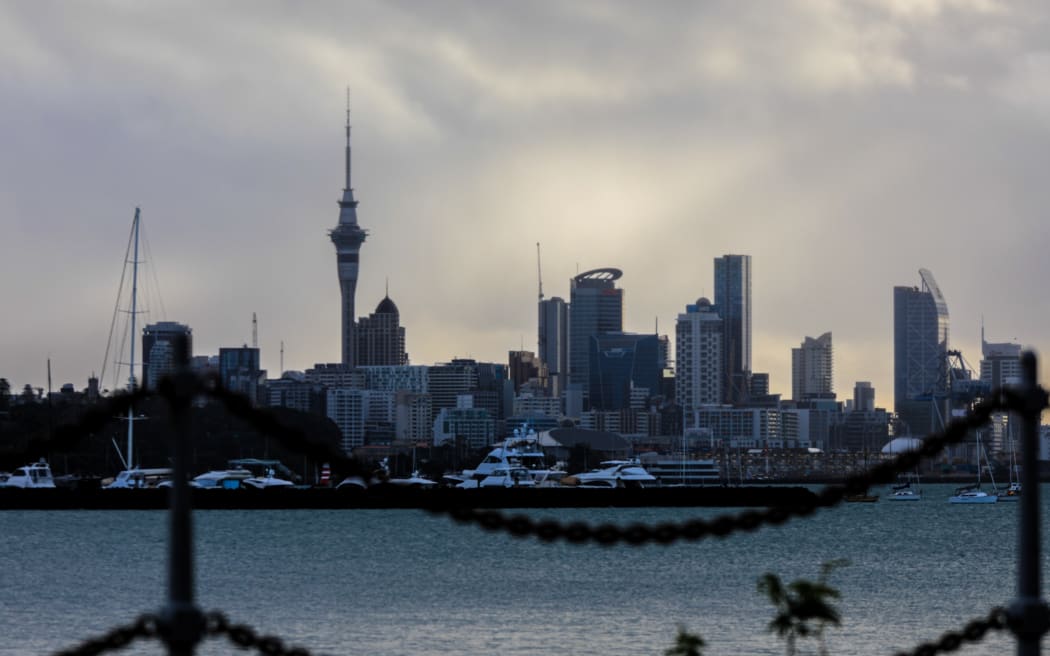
183 622
1028 613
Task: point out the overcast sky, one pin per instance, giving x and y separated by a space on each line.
843 145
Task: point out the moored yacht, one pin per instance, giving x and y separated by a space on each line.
36 475
613 473
972 494
518 462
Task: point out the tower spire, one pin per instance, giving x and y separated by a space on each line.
347 138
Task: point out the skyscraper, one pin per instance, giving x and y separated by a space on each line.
920 352
698 356
381 338
554 342
348 237
733 304
595 307
811 369
622 363
158 350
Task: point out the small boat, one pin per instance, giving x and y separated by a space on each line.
221 479
139 478
613 473
972 494
267 482
1011 493
904 491
34 476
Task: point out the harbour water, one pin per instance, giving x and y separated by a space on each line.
388 582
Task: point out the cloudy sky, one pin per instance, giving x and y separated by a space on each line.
843 145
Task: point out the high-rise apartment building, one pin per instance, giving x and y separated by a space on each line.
348 237
920 353
595 307
733 304
863 397
381 337
239 371
811 369
158 350
623 364
698 356
553 342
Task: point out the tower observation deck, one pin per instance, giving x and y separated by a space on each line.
348 236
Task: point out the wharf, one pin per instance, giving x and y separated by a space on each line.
390 496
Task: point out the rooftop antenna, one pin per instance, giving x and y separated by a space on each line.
539 271
386 291
282 357
348 137
255 331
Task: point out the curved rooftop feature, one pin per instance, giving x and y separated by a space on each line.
386 306
607 273
930 286
703 302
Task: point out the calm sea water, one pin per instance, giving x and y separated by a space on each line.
405 582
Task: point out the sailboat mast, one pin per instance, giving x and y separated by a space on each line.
131 362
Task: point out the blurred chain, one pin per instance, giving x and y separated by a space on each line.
246 637
974 631
146 626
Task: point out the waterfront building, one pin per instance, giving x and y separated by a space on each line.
413 420
411 378
698 356
335 375
292 391
623 365
533 406
920 354
347 236
474 426
524 367
863 396
381 337
739 427
811 369
595 307
733 305
862 431
158 350
553 342
346 408
1000 367
239 371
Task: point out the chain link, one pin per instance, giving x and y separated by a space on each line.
974 631
245 637
146 626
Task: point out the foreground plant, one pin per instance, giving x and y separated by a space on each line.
686 644
804 608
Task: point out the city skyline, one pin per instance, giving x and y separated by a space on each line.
843 164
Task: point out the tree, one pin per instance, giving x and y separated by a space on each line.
5 394
686 644
803 607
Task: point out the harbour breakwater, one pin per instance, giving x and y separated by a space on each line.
392 496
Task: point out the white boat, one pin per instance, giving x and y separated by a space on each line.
221 479
518 462
34 476
267 482
973 493
613 473
138 478
1011 493
904 491
671 471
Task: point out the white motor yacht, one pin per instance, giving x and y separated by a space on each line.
36 475
267 482
504 465
613 473
221 479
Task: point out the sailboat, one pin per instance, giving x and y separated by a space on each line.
1013 489
904 491
133 476
973 493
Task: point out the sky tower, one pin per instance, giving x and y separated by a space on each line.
348 237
